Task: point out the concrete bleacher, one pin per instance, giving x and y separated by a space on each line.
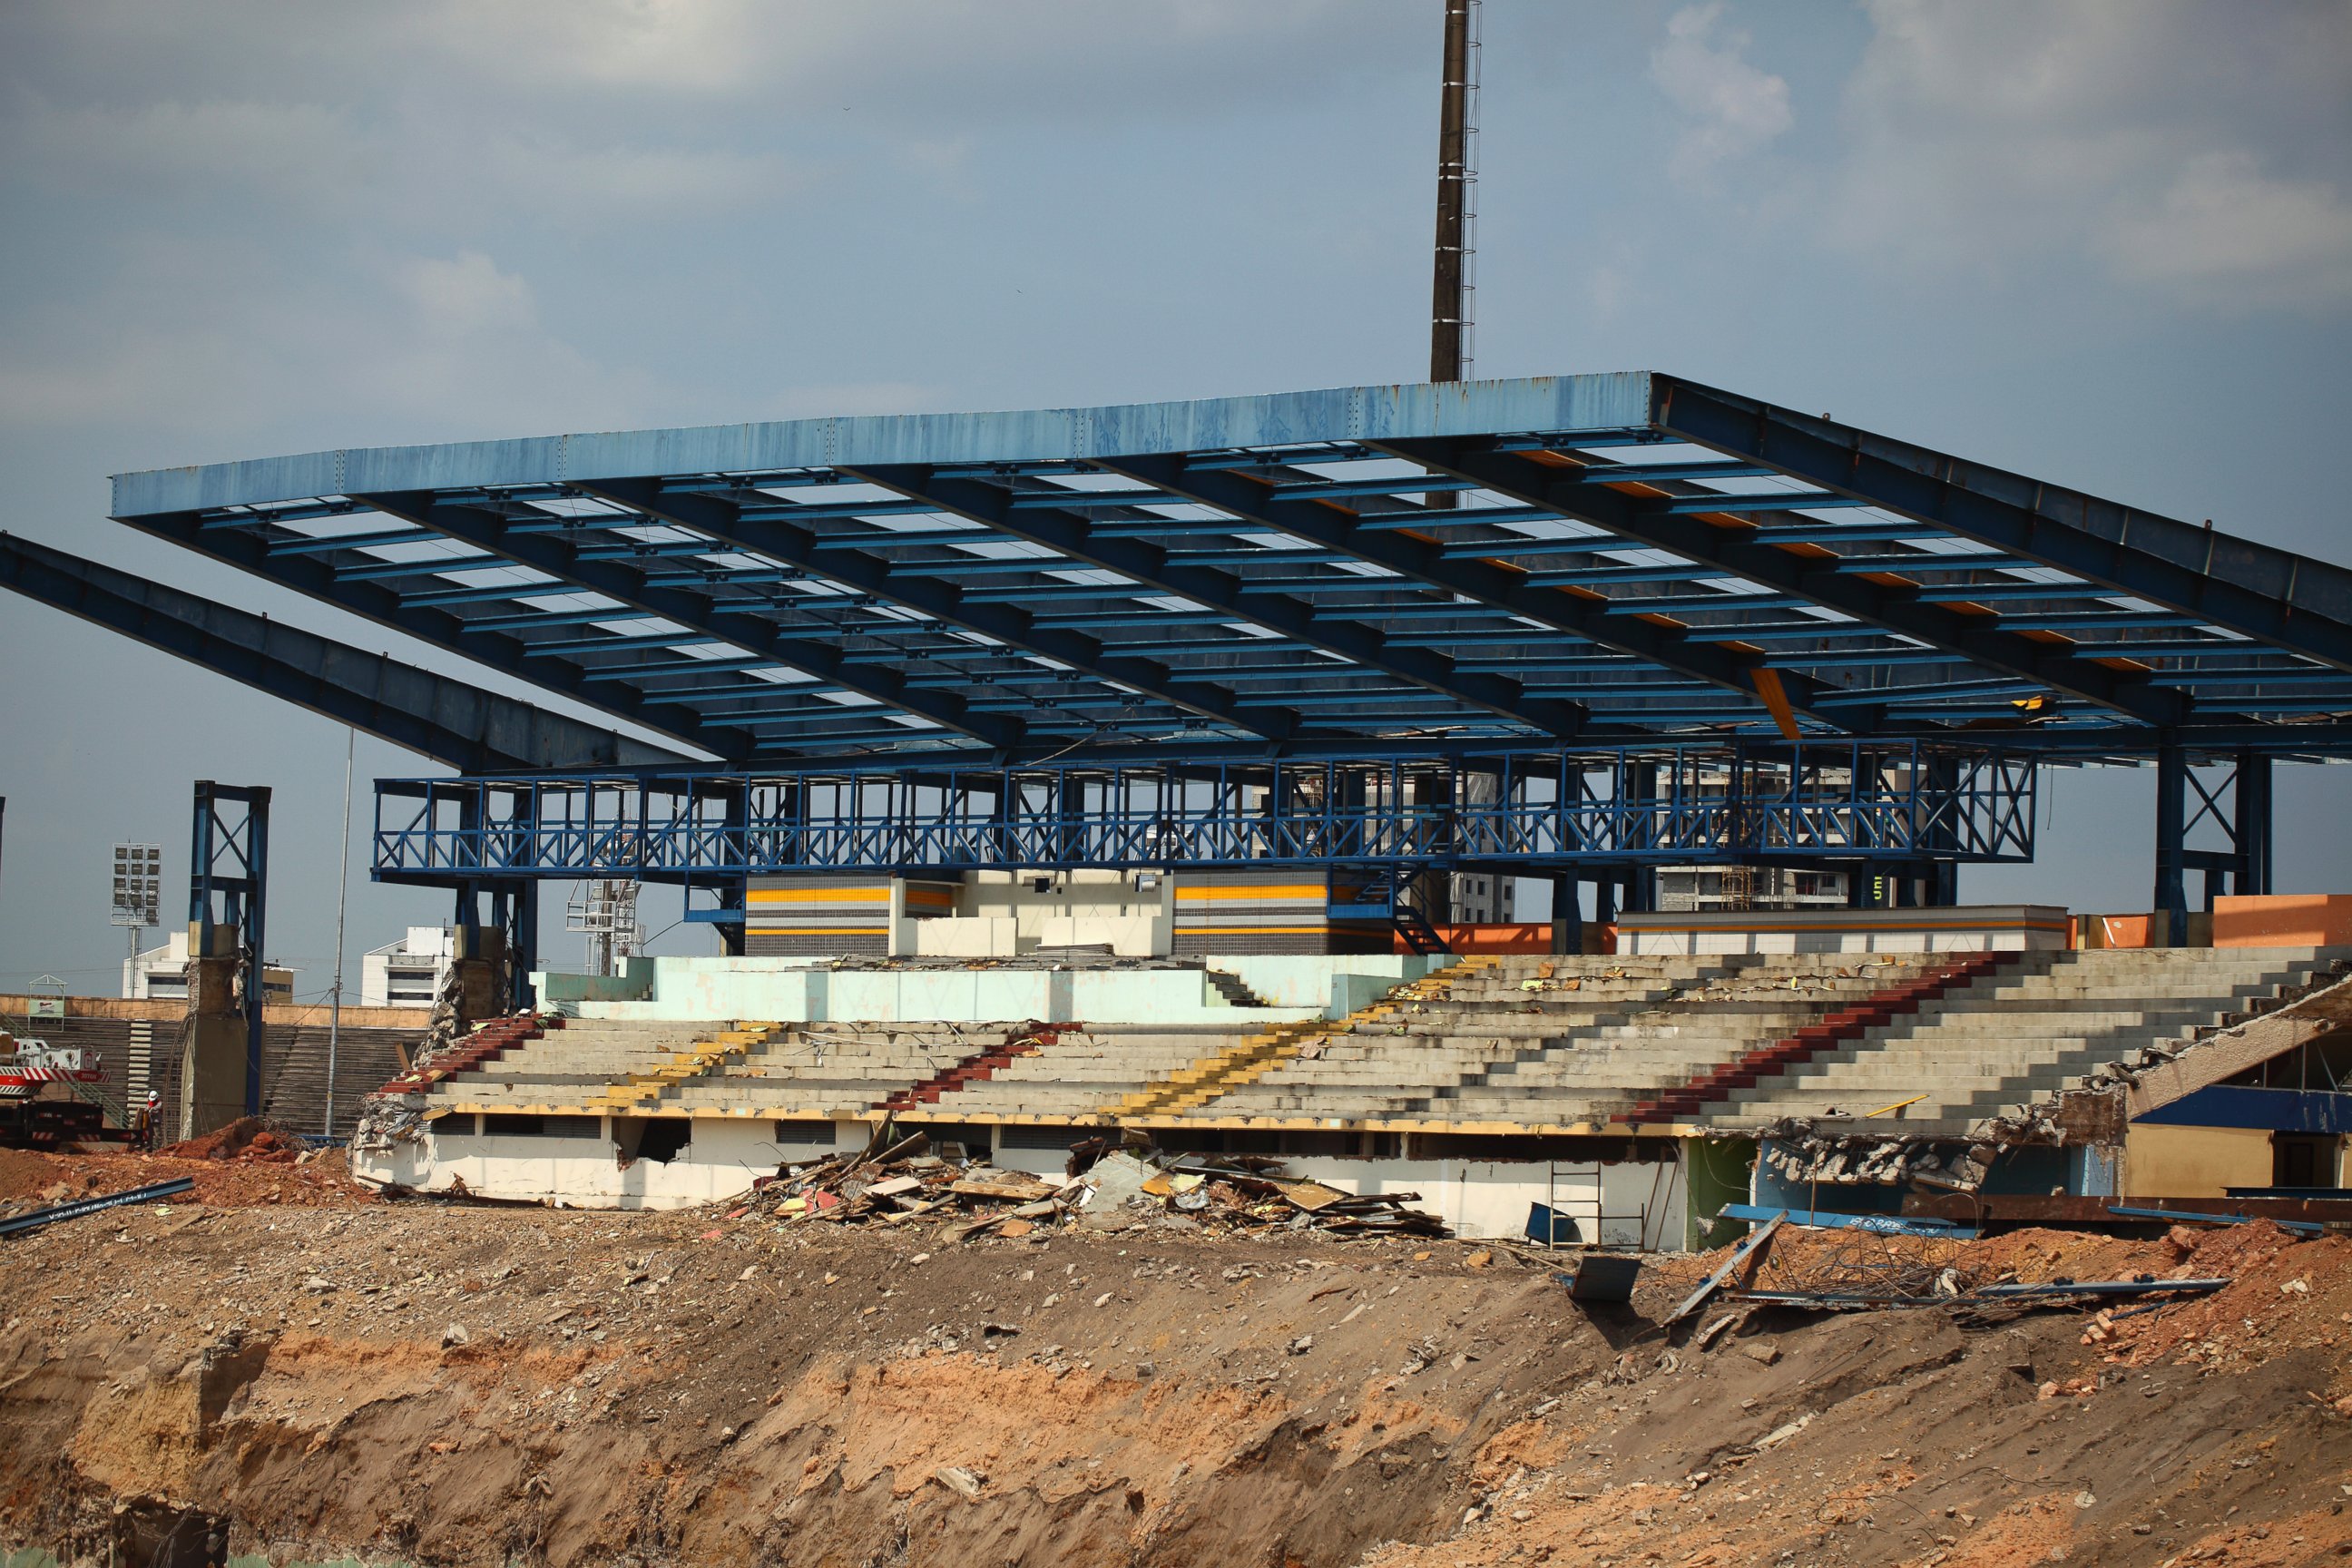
1381 1065
1494 1051
1491 1044
1993 1047
817 1069
565 1068
1085 1072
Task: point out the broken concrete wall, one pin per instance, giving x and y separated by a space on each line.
1634 1203
721 1160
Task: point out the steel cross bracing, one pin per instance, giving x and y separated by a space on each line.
1625 560
1842 802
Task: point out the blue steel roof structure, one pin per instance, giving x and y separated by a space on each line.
1557 561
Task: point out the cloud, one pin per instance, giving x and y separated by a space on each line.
1734 108
397 347
465 294
2223 227
2169 145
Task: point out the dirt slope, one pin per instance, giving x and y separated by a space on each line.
315 1376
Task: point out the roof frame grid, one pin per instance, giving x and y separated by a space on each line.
496 649
1143 560
1279 535
2291 600
1978 639
773 533
742 627
1322 521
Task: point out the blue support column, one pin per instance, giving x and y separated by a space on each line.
2252 825
735 893
228 906
2171 831
1567 915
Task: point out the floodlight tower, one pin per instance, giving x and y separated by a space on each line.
137 899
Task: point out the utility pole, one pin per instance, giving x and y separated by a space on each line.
342 899
1441 893
1450 347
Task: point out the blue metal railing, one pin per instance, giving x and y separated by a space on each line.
1891 803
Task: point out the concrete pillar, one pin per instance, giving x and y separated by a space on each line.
477 954
212 1056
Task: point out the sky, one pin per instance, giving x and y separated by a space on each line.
2107 243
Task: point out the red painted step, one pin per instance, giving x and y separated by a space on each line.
1849 1022
488 1043
975 1068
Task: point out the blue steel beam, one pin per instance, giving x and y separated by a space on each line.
773 534
2290 601
1493 583
440 628
742 627
1983 640
433 715
1147 562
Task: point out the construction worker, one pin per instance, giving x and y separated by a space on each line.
143 1127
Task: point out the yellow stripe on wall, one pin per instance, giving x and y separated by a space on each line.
819 895
1261 890
817 930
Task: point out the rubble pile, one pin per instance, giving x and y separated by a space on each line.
1795 1149
263 1166
253 1140
898 1181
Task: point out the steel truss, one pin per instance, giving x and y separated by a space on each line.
229 889
1853 804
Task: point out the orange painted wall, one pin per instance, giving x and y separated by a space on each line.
1493 938
2283 919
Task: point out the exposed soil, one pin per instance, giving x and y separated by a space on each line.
309 1375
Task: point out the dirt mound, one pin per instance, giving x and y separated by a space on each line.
247 1138
478 1387
29 1180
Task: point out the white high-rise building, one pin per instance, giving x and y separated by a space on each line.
407 973
162 974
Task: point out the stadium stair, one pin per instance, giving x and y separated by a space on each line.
1235 991
487 1044
1188 1088
2007 1042
978 1068
643 1090
1847 1023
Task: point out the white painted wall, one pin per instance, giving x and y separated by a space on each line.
723 1159
1636 1204
1964 929
692 989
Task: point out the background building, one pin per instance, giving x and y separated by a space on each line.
163 972
407 973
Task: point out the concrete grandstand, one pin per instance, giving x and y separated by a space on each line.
1072 770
